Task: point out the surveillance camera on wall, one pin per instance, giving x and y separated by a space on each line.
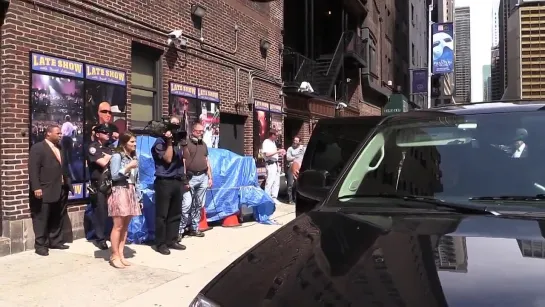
305 87
341 105
176 38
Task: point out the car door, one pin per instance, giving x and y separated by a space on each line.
331 145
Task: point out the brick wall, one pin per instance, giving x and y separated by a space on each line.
30 27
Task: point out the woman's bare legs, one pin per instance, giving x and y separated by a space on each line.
115 237
123 240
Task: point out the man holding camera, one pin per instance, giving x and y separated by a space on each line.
99 155
199 174
169 179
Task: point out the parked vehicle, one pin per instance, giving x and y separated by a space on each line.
441 207
332 143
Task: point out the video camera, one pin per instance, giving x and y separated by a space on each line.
158 129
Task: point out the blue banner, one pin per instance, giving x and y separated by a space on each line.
420 81
443 48
79 191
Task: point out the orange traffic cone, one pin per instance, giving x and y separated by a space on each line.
231 221
203 223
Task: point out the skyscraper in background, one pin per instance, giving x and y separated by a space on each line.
526 38
462 66
503 15
486 83
495 23
443 85
496 79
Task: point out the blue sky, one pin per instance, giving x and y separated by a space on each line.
481 41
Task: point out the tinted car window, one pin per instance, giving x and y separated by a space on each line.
332 144
456 157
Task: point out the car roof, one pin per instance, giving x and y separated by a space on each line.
468 109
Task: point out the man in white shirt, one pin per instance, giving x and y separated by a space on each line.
272 155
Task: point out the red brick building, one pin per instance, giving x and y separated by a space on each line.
62 58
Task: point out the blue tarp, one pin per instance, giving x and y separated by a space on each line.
235 184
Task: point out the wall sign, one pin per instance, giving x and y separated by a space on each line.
103 74
208 95
53 65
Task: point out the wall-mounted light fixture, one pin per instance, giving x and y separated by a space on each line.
198 10
264 44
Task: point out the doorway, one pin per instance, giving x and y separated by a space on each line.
292 128
232 132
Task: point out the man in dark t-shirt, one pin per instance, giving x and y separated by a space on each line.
198 169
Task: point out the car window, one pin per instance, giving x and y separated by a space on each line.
332 145
459 157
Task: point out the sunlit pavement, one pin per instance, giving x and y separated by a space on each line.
81 276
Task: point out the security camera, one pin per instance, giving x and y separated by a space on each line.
341 105
176 34
305 87
175 38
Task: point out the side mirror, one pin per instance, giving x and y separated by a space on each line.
312 184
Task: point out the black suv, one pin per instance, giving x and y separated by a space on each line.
435 208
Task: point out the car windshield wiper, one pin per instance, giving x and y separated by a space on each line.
538 197
413 201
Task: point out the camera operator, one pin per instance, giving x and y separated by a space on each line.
99 155
169 179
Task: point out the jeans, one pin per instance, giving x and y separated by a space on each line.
193 201
272 184
291 183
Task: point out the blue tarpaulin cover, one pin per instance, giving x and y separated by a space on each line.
234 184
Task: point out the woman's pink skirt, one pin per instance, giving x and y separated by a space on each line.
123 202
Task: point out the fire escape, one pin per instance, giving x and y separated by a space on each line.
323 74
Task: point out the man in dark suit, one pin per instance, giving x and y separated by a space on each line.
49 187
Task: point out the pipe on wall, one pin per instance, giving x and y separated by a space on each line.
151 27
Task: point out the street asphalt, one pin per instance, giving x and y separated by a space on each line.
81 275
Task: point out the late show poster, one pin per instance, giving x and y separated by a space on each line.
57 99
261 126
181 97
105 100
277 123
207 111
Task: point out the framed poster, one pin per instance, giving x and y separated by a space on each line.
57 98
277 123
105 100
197 105
261 132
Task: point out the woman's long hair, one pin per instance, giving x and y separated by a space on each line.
123 140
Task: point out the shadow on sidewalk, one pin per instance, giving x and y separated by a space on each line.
105 254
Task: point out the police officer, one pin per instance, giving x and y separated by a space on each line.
99 155
169 179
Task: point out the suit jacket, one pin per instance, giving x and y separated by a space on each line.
45 172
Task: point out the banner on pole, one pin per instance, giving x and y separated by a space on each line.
420 81
443 48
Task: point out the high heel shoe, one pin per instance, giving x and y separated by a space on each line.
117 263
125 262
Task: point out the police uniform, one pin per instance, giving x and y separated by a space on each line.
98 199
169 180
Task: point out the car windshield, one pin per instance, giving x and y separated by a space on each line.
455 158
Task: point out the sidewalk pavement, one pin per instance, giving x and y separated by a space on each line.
81 276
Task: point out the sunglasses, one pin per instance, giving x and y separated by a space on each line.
105 112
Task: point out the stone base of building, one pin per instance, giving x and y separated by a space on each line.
19 235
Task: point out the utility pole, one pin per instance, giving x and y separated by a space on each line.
430 52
